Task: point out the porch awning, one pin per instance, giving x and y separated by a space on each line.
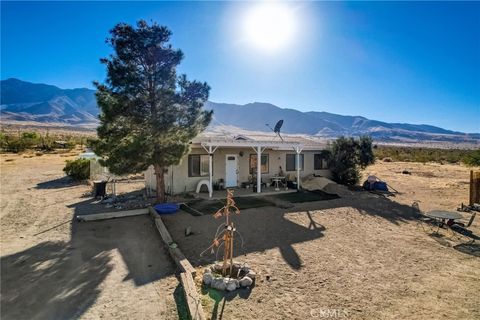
258 146
253 144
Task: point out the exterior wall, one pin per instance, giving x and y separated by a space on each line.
178 181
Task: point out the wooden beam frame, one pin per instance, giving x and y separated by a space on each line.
111 215
176 254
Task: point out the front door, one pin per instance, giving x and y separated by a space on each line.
231 170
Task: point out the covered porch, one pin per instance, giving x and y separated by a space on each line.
232 166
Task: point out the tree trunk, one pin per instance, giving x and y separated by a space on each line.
160 173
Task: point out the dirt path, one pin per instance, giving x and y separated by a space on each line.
53 268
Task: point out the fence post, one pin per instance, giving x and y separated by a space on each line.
474 187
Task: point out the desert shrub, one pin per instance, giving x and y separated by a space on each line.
78 169
13 144
416 154
365 151
347 156
472 159
18 141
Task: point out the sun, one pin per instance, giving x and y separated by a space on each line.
269 27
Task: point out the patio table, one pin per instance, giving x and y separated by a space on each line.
441 216
277 180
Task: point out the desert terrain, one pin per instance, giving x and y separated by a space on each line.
362 256
55 268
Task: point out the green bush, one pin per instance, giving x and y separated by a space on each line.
78 169
13 144
347 155
472 159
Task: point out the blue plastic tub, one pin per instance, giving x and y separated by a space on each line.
166 208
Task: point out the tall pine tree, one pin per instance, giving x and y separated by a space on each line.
148 113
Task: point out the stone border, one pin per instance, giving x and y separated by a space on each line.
194 304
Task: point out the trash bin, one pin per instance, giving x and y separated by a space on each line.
99 188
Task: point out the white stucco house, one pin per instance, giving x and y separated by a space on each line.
250 160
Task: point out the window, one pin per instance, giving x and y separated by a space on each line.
198 165
291 164
320 161
253 163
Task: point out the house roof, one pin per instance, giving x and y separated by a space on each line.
256 139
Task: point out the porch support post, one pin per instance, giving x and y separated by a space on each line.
210 151
298 150
210 171
259 169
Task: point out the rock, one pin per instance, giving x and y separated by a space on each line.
231 284
207 278
188 231
219 284
217 268
246 282
236 267
243 271
252 275
207 270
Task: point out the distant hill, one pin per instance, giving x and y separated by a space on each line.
25 101
47 104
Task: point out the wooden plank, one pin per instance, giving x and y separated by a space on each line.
180 260
194 302
112 215
167 238
152 213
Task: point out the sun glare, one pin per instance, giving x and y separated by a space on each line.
269 27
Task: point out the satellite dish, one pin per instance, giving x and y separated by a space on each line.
277 128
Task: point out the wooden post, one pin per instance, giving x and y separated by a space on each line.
231 249
227 240
474 187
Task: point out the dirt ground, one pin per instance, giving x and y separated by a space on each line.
362 256
55 268
433 185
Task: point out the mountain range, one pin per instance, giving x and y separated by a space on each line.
26 101
48 104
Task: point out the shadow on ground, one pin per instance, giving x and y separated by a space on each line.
63 182
61 280
220 298
271 228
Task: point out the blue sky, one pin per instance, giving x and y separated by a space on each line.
415 62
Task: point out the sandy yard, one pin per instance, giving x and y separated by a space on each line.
359 257
362 256
55 268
